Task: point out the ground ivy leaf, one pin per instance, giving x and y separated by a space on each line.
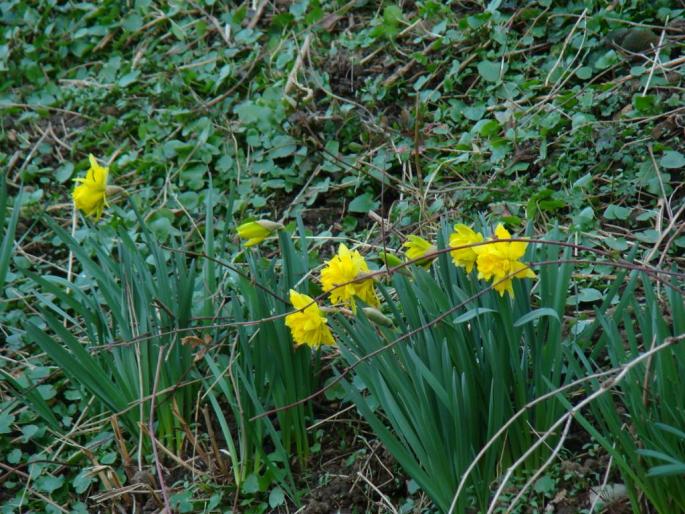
49 484
544 485
6 419
132 22
363 203
14 456
251 485
47 391
64 172
489 70
29 431
276 497
584 73
649 236
616 212
82 481
589 294
129 78
619 243
474 112
673 160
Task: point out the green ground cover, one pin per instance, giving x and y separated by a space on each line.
360 123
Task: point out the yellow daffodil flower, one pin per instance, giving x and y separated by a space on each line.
307 325
500 262
90 196
343 268
464 257
417 247
256 231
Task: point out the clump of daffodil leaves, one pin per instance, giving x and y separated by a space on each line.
346 276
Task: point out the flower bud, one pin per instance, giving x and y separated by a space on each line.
256 231
389 259
377 317
271 226
112 190
417 247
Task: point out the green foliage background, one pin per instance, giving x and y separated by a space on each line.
210 113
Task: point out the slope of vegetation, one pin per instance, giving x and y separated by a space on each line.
146 364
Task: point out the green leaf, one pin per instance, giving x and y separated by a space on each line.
28 431
649 236
671 430
584 72
250 485
249 112
470 314
132 22
474 112
177 30
363 203
536 314
646 104
64 172
109 458
667 470
33 397
657 455
544 485
616 243
276 497
672 160
607 60
6 420
486 128
161 228
14 456
583 182
282 146
49 484
584 217
8 225
129 78
82 481
590 294
47 391
616 212
392 15
489 70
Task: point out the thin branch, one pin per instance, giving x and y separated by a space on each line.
292 76
656 60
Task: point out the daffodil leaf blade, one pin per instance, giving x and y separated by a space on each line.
542 312
472 313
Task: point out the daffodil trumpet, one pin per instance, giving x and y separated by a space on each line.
500 261
346 276
307 324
